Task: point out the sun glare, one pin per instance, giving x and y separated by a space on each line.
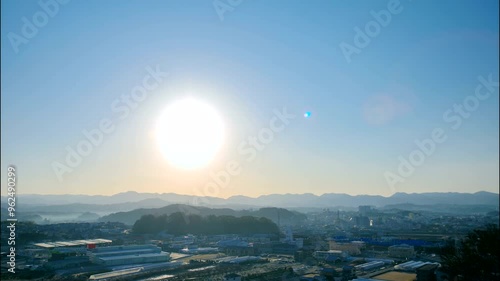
189 133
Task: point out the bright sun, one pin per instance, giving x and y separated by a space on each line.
189 133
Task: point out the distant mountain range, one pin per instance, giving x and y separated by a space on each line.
58 208
328 200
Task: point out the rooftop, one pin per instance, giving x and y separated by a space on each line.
115 273
72 243
134 256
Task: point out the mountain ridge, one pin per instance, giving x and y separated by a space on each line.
269 200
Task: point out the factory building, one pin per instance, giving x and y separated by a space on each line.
200 250
236 260
89 244
370 265
412 266
330 255
132 254
352 248
402 251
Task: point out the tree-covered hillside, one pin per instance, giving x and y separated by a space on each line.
179 224
274 214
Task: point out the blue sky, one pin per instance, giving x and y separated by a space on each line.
264 55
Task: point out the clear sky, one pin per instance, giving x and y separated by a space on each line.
367 110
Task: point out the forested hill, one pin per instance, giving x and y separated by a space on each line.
179 224
277 215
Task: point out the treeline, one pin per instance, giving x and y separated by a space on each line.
475 258
180 223
275 214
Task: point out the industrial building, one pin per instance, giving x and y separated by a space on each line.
63 254
200 250
135 272
370 265
132 254
330 255
412 266
352 248
90 243
133 259
235 260
113 275
402 251
275 247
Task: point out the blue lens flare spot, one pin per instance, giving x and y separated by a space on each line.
307 114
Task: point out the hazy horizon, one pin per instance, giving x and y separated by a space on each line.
340 193
359 97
